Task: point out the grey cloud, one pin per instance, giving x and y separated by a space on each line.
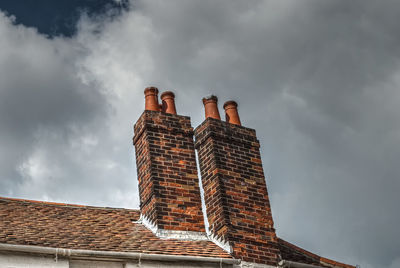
41 98
318 80
306 75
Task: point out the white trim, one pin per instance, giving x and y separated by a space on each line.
183 235
220 242
245 264
171 234
147 223
83 253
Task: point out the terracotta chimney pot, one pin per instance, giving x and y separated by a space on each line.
151 99
211 107
168 102
231 113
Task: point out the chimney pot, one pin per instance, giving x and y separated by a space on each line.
211 107
231 113
151 99
168 102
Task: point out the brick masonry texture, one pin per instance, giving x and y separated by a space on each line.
235 191
167 172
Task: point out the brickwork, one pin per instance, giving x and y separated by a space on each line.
167 172
235 191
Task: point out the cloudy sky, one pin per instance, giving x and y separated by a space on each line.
318 80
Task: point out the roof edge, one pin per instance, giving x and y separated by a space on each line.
322 260
64 252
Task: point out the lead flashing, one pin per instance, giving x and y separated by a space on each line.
183 235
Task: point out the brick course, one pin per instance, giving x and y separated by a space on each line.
235 191
167 173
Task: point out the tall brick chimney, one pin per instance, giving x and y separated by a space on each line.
235 191
166 165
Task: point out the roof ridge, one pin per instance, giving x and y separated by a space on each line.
50 203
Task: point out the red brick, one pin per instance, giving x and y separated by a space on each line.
230 165
167 171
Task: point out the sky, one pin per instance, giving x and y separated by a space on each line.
318 80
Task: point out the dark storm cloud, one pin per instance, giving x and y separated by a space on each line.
318 80
55 18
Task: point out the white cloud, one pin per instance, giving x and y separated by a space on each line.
318 80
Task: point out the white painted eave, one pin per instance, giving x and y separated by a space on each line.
83 253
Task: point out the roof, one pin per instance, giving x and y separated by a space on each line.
59 225
294 253
36 223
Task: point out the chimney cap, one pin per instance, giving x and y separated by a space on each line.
167 94
231 103
149 90
210 98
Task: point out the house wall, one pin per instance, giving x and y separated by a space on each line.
12 260
8 260
95 264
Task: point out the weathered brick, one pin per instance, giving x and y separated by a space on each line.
167 172
235 191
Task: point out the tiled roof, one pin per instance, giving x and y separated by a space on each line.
26 222
59 225
294 253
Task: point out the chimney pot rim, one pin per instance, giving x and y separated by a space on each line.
210 98
150 90
167 94
230 104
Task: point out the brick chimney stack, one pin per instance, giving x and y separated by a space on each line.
235 190
166 165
